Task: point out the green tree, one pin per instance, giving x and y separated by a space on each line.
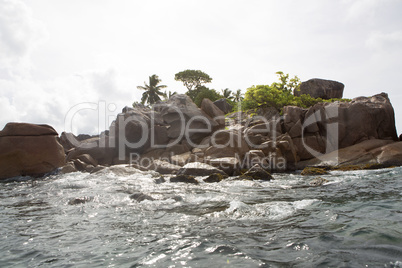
280 94
227 94
277 95
169 94
152 90
192 78
206 93
238 96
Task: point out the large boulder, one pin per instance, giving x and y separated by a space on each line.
135 128
256 173
389 155
199 169
326 127
208 107
164 167
28 149
320 88
224 106
102 149
185 120
226 143
367 152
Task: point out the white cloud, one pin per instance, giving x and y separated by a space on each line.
109 48
19 35
362 8
385 41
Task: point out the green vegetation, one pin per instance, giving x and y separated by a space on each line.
168 95
216 177
238 96
314 171
192 78
359 167
152 91
227 94
204 92
279 94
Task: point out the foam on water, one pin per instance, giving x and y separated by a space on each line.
271 211
82 220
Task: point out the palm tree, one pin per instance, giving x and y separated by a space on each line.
227 94
169 94
238 96
152 91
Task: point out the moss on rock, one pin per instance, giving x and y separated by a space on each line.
308 171
184 178
216 177
256 173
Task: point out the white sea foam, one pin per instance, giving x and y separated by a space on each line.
272 210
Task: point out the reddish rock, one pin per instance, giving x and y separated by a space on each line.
29 150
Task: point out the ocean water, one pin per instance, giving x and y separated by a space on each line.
90 220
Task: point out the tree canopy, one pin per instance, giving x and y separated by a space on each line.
227 94
192 78
152 90
206 93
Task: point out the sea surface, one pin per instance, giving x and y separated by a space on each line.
108 219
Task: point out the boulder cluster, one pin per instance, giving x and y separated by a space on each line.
177 137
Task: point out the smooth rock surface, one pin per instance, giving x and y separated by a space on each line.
199 169
29 150
321 88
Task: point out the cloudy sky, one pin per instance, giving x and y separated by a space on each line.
80 61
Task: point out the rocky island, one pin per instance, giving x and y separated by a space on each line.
178 137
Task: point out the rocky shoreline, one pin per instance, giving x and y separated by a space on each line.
178 138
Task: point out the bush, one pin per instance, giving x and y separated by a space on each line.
279 95
206 93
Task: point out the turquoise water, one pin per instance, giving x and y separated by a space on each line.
89 220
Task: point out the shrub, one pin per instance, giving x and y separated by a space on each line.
206 93
279 95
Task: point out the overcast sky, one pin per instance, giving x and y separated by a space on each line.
59 57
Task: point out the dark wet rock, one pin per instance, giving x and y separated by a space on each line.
177 198
216 177
164 167
159 180
318 181
227 143
97 168
256 173
88 159
98 148
224 106
68 168
230 165
308 171
79 165
366 152
208 107
199 169
181 159
177 113
389 155
184 178
139 197
321 88
80 200
269 113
